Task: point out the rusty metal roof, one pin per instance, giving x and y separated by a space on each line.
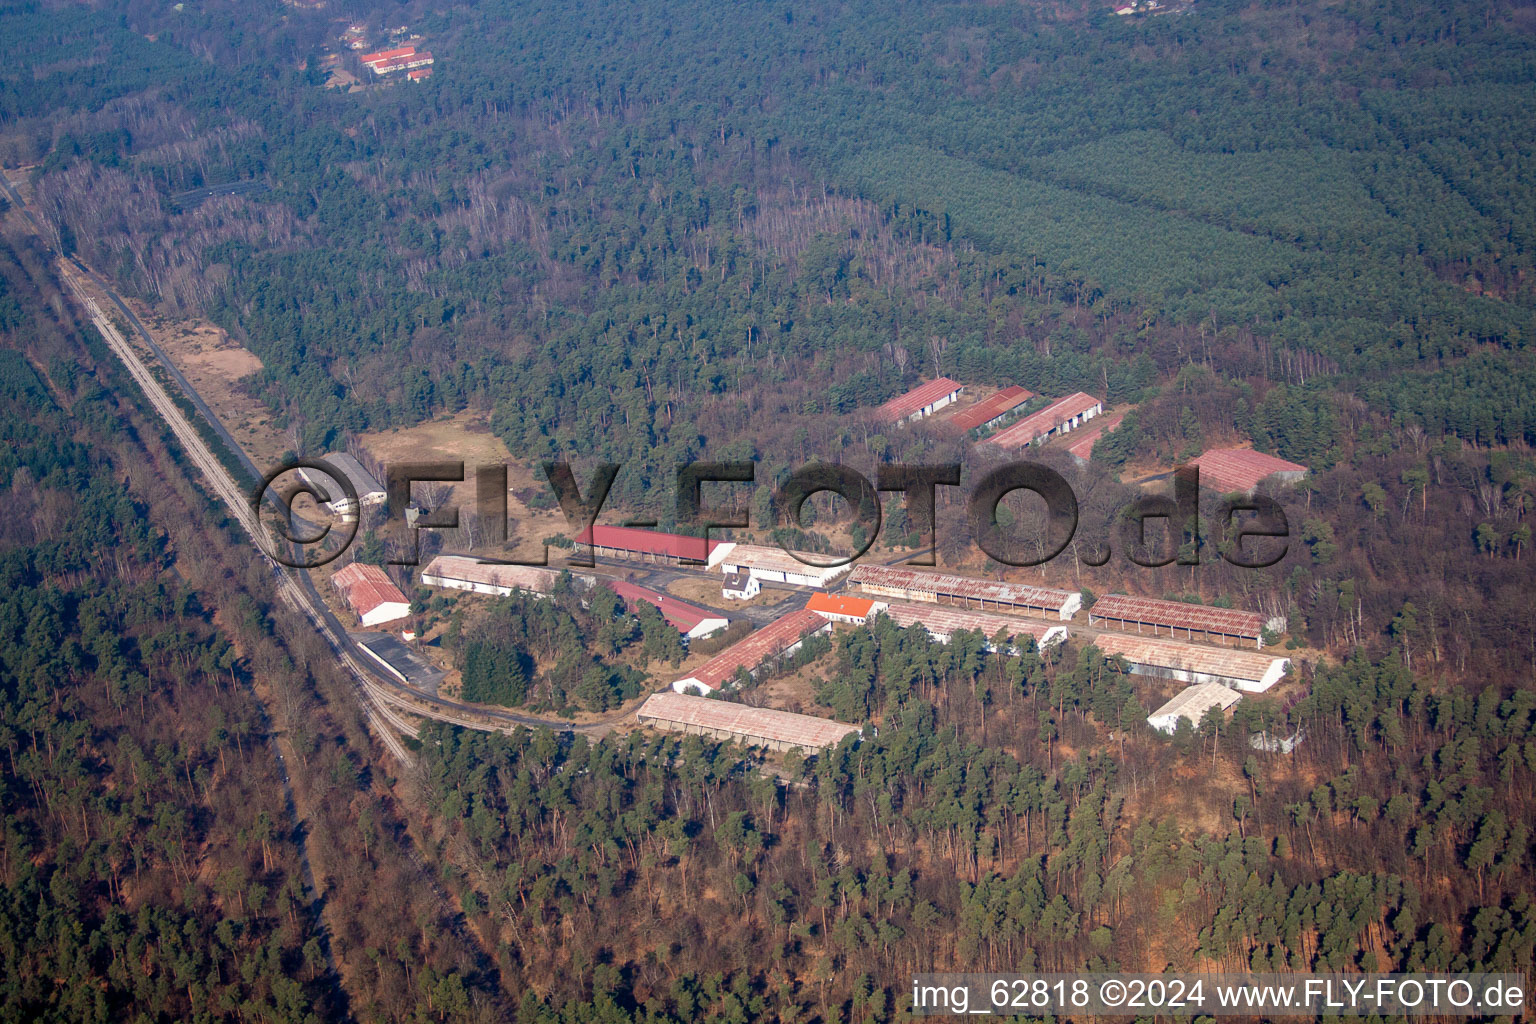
947 620
760 724
774 638
902 406
366 587
1085 437
1159 653
1199 617
1240 469
1037 424
989 409
961 586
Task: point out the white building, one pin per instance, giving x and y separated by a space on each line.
369 493
1192 704
370 593
740 586
1248 671
775 565
458 572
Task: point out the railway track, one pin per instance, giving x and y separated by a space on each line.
383 699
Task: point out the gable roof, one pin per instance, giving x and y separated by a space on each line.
902 406
365 587
989 409
1240 469
1037 424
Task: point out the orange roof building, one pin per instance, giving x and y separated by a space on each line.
838 608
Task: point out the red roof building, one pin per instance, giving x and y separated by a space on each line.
1151 615
919 402
370 593
408 60
419 74
1081 447
690 620
371 59
780 637
635 544
989 410
1241 470
837 608
1060 416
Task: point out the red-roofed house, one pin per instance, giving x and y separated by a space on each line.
924 400
778 639
408 60
1240 470
419 74
690 620
372 59
641 545
990 410
835 607
1059 417
370 593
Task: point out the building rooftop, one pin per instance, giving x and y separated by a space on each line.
679 613
383 55
947 620
1192 703
1200 617
837 604
1038 424
1215 661
366 587
1085 437
1240 470
758 647
960 586
648 542
737 581
492 574
902 406
748 723
989 409
772 559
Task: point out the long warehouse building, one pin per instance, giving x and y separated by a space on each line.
1061 416
776 565
778 639
763 727
1194 663
1175 618
460 572
983 595
944 621
690 620
640 545
1192 704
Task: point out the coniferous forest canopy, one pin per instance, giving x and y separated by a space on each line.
650 233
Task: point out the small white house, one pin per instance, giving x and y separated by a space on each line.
740 586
